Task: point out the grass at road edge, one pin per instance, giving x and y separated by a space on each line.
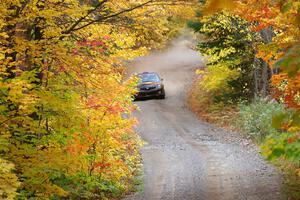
229 117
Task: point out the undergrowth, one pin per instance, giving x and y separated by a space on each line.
255 120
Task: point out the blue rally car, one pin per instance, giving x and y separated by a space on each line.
150 85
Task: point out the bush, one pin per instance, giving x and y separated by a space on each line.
215 79
256 118
229 44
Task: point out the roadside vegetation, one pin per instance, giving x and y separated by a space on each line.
66 130
252 79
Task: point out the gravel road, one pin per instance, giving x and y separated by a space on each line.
187 159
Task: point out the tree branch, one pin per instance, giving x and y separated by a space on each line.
113 15
72 27
75 27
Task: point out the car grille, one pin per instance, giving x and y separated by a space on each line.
147 88
149 93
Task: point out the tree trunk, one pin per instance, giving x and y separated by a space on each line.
262 72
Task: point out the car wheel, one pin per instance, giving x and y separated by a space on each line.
135 98
163 95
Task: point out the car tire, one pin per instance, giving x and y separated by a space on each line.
163 95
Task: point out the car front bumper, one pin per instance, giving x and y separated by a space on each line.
150 93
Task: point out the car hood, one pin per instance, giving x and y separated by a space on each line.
148 84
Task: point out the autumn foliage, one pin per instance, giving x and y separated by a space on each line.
65 105
277 23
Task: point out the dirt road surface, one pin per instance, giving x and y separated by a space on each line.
185 158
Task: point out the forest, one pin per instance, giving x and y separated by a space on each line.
64 94
66 104
252 79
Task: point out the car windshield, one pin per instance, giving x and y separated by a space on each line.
149 78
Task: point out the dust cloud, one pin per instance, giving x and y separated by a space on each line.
176 64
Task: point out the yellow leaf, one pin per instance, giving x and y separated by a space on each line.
214 6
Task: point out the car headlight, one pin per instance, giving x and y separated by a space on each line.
159 86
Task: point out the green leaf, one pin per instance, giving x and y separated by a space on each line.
296 119
277 152
286 7
278 120
290 63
